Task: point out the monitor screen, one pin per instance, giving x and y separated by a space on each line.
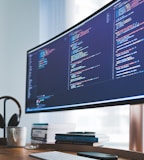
98 62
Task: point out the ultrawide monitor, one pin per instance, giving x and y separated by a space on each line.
98 62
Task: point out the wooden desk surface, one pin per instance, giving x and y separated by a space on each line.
23 154
17 153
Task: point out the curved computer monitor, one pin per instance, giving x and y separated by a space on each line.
98 62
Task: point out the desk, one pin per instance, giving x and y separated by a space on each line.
18 153
23 154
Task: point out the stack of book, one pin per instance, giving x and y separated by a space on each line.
85 138
45 133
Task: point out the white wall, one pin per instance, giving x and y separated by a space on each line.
52 18
19 31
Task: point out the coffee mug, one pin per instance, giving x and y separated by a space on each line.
16 136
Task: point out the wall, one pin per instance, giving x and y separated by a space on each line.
52 18
19 31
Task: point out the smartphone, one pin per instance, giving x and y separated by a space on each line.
98 155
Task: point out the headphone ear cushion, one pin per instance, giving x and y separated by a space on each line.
14 120
2 123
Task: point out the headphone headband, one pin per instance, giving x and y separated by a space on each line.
12 98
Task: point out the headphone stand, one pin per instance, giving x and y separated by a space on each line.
3 141
14 120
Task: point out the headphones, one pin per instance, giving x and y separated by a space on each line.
15 118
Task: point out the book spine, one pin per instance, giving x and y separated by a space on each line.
77 135
76 138
39 139
72 142
95 144
40 125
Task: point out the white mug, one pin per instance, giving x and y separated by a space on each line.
16 136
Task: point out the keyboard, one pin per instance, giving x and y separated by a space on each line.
56 155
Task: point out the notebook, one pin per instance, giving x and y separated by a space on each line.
56 155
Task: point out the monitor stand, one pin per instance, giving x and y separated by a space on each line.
136 127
